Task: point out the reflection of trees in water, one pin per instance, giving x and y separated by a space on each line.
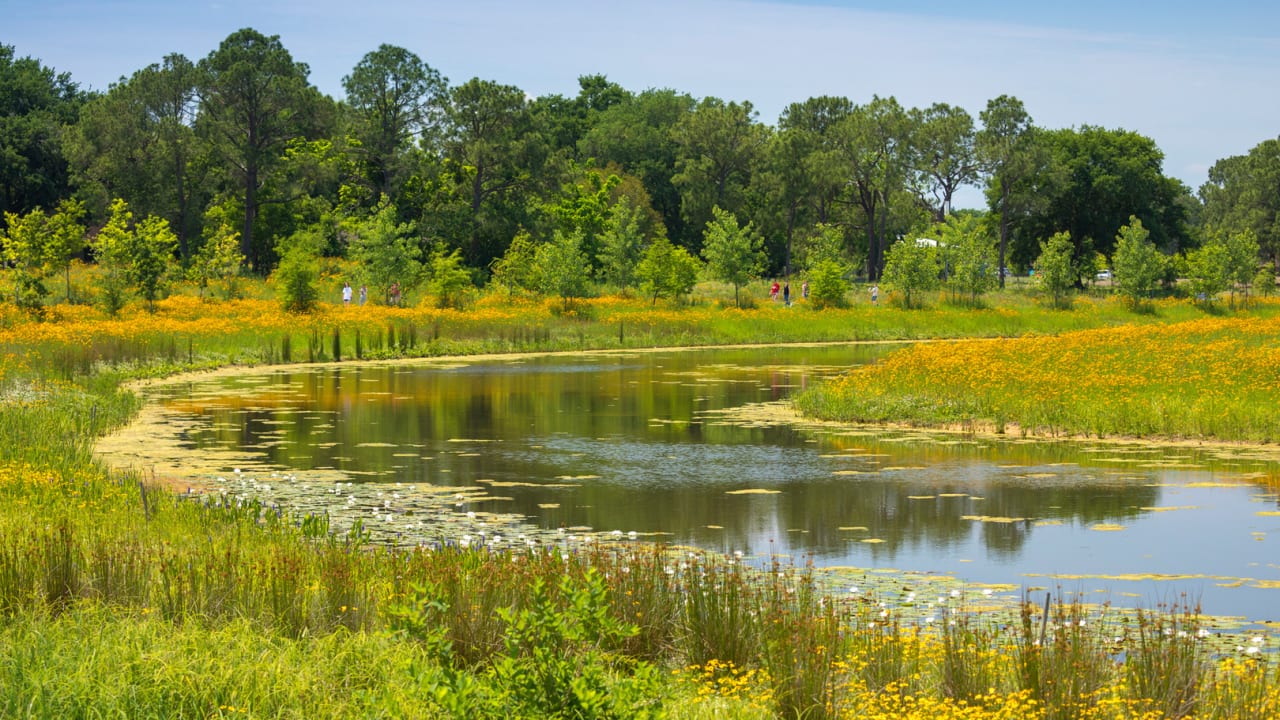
622 416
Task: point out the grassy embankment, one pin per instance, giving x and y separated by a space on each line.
118 600
1213 378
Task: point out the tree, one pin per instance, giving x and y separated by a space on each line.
1138 264
386 250
970 257
111 248
719 145
912 266
497 154
219 259
1007 149
666 270
137 143
734 254
24 250
35 105
803 156
396 97
828 269
1056 269
254 100
448 279
1242 261
150 256
296 276
64 238
1207 271
517 268
584 207
562 267
945 154
621 244
875 147
638 135
1241 195
1100 178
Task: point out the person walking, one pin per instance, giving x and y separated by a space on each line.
786 294
804 290
875 293
346 293
364 295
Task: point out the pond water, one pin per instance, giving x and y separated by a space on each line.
683 446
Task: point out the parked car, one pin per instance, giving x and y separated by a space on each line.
1104 275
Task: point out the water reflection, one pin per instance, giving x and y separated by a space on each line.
635 442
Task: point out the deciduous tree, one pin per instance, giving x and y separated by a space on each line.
734 254
1056 270
1139 265
912 266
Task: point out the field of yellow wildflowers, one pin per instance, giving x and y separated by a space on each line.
1210 378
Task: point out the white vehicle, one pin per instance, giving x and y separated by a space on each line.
1104 275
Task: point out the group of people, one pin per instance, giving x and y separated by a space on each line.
786 291
804 290
393 294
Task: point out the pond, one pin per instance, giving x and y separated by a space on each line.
692 448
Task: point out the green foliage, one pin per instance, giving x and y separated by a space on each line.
219 259
912 267
584 208
448 279
111 247
1094 179
64 237
828 270
36 244
734 254
1055 269
562 268
1139 266
23 248
555 661
151 255
395 97
621 244
666 270
1208 272
1264 282
298 273
1241 196
387 251
970 257
1242 260
516 270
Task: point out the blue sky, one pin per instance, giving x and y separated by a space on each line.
1198 78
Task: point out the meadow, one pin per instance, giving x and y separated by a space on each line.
121 599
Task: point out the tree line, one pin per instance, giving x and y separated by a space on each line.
236 162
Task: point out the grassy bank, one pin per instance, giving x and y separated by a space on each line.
121 600
1214 378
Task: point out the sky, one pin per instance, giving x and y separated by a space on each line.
1198 78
